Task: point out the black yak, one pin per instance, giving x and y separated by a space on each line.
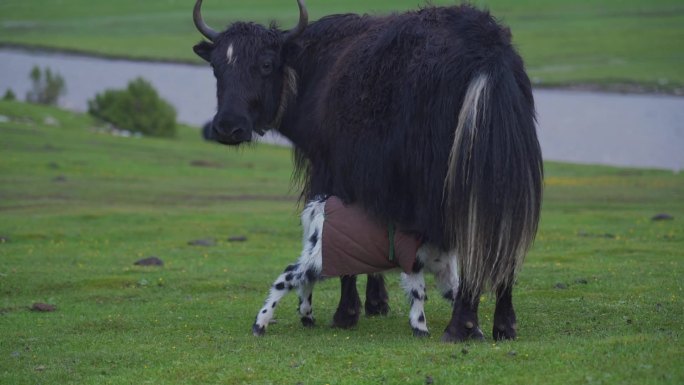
425 119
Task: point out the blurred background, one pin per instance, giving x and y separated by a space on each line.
608 73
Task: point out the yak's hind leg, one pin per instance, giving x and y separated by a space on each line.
414 285
347 313
464 324
377 300
505 326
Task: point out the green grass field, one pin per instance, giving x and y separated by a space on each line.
614 44
599 301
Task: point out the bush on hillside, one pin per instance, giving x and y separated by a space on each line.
9 95
46 86
138 108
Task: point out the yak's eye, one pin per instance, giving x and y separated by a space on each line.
266 67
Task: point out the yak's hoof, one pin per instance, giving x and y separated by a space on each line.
374 308
258 331
505 332
308 322
463 334
420 333
345 318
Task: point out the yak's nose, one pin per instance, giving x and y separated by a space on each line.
233 129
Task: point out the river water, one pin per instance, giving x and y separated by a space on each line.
574 126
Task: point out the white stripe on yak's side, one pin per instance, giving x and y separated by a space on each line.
229 55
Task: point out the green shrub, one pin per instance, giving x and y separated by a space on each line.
9 95
138 108
46 87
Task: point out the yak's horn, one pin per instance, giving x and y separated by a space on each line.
201 25
301 26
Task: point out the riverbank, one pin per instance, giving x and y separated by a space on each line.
644 131
624 87
625 46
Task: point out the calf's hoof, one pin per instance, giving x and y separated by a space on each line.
308 322
420 333
258 331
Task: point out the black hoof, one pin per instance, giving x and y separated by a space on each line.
420 333
308 322
504 332
258 331
346 318
463 334
375 308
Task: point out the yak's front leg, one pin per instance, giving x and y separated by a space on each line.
349 308
414 285
377 300
505 326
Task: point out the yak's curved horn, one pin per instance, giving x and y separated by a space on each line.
301 26
200 24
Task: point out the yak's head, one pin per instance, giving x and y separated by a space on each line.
253 83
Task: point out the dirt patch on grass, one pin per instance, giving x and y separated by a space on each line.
150 261
43 307
205 163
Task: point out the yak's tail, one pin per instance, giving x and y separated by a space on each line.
493 187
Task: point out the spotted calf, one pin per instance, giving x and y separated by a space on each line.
308 269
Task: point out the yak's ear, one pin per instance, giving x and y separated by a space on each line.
203 50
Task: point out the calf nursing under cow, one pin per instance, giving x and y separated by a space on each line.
330 229
425 119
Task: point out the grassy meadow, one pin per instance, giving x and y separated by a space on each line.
611 44
599 301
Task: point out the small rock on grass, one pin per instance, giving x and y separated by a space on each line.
662 217
205 163
429 380
581 281
561 286
237 238
4 239
202 242
51 121
150 261
43 307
